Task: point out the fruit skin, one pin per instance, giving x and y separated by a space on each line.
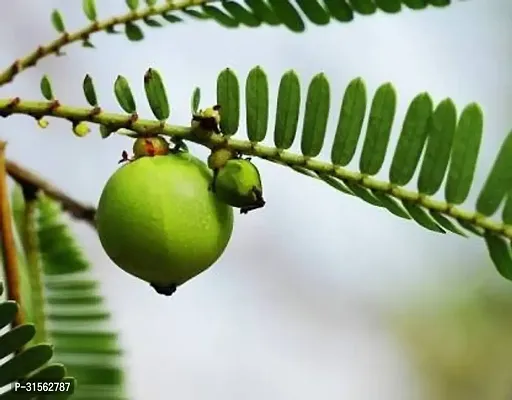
238 183
157 220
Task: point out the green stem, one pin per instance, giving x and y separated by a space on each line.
143 127
35 273
31 59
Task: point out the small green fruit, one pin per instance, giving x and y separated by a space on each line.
81 129
219 157
238 184
157 220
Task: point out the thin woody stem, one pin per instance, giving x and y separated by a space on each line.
28 179
66 38
10 258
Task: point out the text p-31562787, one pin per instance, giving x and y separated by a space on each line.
42 387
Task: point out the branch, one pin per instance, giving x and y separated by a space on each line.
317 168
30 181
9 254
66 38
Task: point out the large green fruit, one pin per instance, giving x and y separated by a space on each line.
158 221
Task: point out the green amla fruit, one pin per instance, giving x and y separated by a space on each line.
158 221
238 183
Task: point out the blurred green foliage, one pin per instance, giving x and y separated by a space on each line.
462 344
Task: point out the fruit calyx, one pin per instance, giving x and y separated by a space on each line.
147 147
168 290
205 122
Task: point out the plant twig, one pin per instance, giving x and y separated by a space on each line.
31 59
10 258
26 179
144 127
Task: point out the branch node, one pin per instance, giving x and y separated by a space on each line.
53 106
8 109
14 102
16 67
95 111
133 118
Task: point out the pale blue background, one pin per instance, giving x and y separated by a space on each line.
294 309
